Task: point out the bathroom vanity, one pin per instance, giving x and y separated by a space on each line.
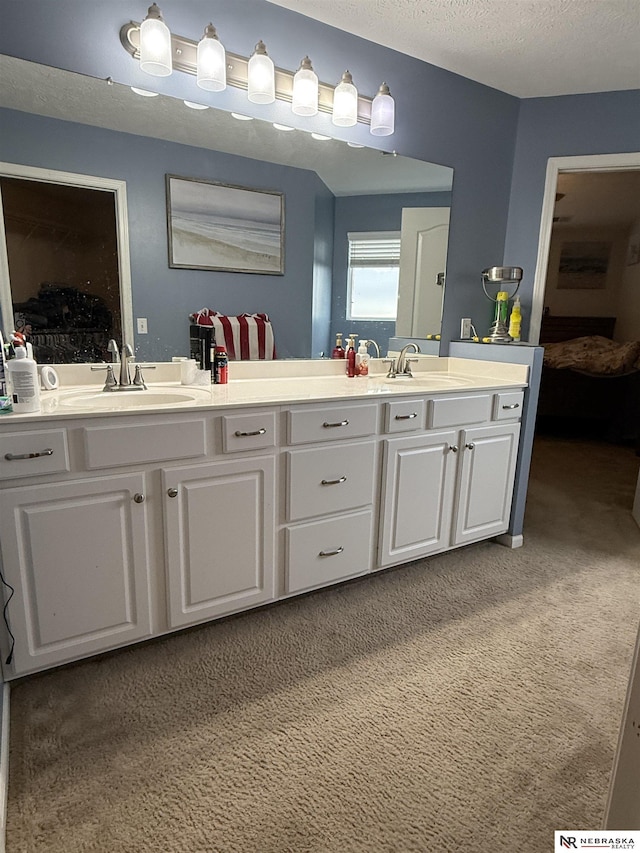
122 520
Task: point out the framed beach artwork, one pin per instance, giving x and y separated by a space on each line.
583 265
215 226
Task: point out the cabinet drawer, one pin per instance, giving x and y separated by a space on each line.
459 410
134 444
404 415
507 405
28 454
248 432
322 552
330 479
331 423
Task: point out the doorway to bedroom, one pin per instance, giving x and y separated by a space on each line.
588 302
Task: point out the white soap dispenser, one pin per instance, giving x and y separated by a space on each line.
22 372
362 360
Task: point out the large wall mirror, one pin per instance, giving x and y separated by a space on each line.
69 123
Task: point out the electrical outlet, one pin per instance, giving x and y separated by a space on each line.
465 327
142 326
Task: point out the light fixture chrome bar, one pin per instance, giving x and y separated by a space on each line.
184 59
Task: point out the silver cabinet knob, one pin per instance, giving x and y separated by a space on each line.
173 493
138 498
453 448
470 445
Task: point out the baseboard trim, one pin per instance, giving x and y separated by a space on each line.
511 541
4 762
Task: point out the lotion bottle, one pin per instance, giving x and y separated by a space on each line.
515 320
338 350
351 356
362 360
25 387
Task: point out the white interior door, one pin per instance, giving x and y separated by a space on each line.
423 257
623 807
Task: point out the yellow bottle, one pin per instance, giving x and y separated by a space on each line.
515 320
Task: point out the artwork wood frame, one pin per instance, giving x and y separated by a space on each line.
224 227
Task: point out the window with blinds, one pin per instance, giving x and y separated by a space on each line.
372 281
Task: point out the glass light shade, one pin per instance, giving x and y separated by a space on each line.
383 113
155 44
211 62
345 102
261 82
305 90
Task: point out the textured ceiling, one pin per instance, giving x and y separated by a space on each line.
528 48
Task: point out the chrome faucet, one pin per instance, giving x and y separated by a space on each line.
403 365
371 341
112 347
126 353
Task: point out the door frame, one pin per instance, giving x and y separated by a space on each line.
582 163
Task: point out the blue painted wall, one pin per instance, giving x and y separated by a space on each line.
368 213
606 123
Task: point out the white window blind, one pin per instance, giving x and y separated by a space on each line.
374 249
374 265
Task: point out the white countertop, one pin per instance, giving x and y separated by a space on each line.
265 383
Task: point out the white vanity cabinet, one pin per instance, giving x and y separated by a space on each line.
219 522
443 488
331 479
114 529
219 537
76 555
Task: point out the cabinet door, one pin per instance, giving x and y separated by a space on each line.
219 532
485 482
418 480
76 555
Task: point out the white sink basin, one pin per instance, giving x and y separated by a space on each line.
418 381
116 401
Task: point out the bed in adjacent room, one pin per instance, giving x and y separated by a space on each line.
590 383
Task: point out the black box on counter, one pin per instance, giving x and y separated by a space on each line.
202 341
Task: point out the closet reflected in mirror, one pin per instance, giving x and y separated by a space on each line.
62 254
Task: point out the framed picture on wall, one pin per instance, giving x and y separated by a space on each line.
224 227
583 265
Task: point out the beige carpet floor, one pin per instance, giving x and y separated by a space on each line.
469 701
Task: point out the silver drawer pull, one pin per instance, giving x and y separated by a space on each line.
241 434
339 423
407 417
331 553
333 482
11 456
512 406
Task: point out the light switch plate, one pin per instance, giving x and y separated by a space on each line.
142 325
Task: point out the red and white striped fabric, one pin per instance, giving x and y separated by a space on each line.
246 336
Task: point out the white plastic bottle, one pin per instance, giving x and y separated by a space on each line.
23 378
362 360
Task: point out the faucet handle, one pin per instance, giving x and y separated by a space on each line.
392 367
138 379
110 381
407 366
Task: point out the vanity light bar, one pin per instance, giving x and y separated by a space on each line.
184 55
